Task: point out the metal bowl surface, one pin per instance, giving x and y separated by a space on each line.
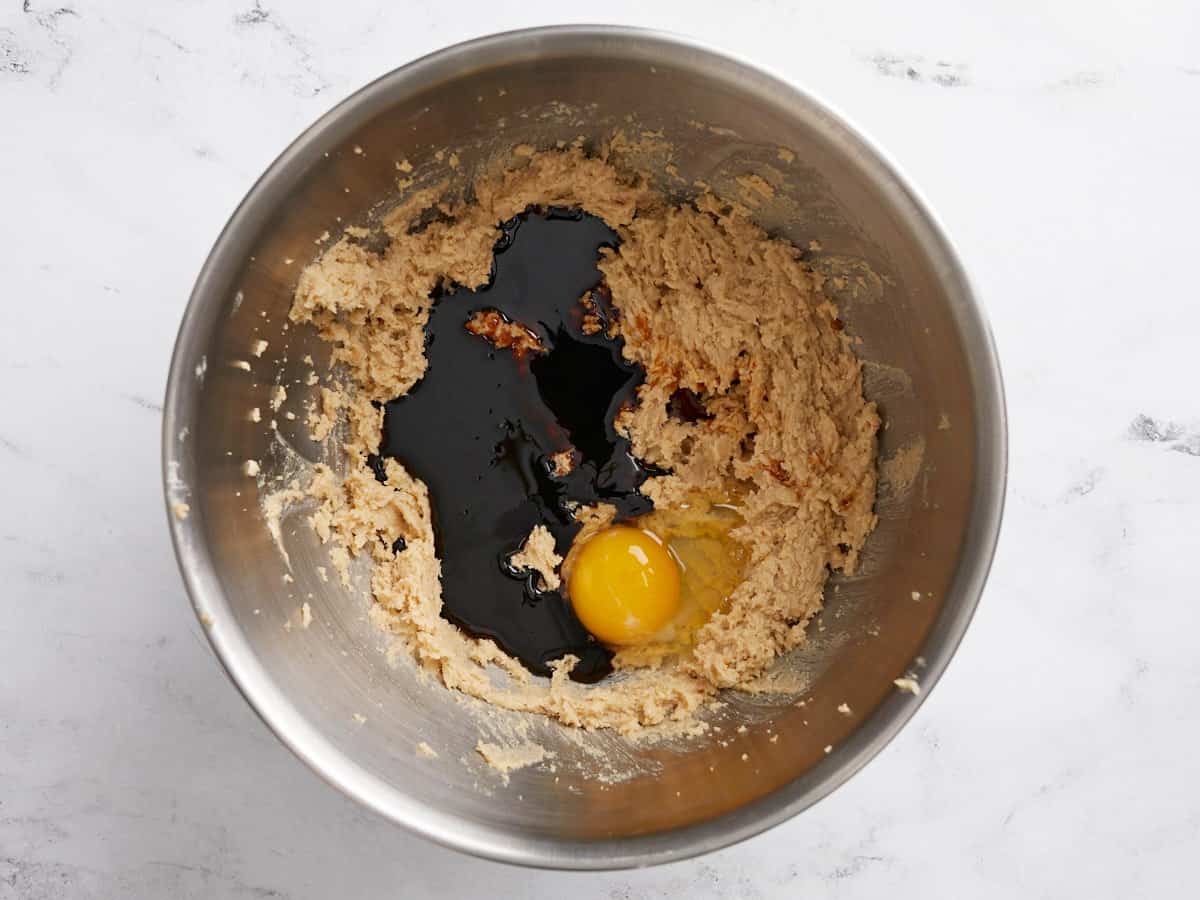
931 366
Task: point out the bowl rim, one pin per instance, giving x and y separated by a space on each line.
272 705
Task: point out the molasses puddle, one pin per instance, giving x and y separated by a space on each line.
512 427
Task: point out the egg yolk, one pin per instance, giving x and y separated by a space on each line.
624 585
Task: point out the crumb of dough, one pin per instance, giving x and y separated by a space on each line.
250 467
908 684
359 719
829 748
181 510
312 379
503 333
241 364
205 619
785 155
537 555
323 418
898 471
278 396
754 189
563 462
274 506
423 749
322 573
749 328
844 709
255 414
306 615
404 165
943 422
340 557
508 759
916 595
287 578
258 347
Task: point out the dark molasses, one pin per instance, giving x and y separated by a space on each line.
512 427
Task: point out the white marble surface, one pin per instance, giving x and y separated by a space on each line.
1057 758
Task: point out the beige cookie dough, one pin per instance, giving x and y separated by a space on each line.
537 555
707 302
508 759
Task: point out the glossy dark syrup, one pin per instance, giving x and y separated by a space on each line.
482 425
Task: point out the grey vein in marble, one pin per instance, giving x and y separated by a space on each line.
917 69
1180 439
311 81
50 22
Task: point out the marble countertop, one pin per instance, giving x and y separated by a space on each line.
1059 142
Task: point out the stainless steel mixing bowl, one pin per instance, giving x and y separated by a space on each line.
601 802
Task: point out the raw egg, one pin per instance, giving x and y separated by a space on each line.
624 585
647 587
698 535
